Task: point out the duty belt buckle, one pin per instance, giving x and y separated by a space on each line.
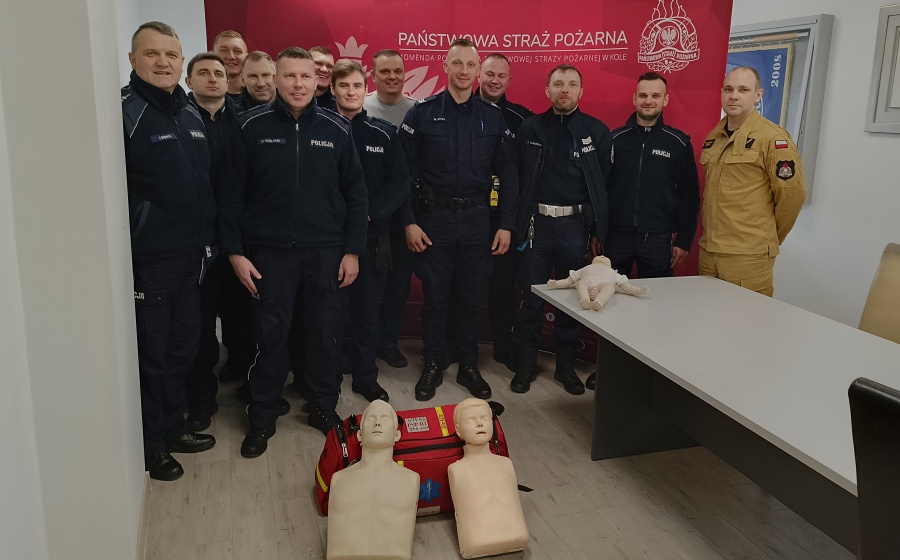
457 203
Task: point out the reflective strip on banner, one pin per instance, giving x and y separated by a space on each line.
443 421
321 482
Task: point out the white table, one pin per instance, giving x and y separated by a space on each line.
761 383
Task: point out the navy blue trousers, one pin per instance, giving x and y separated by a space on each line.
310 275
559 245
396 290
460 251
167 312
651 251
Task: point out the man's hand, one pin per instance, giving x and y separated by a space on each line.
501 242
678 256
349 270
596 247
245 271
416 239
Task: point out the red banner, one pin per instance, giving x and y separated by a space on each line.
610 42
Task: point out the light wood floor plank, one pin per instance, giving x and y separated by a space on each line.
679 504
254 520
210 511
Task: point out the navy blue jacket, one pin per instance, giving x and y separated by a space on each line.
384 166
592 146
292 182
455 149
216 135
654 186
513 113
170 199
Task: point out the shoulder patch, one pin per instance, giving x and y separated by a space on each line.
781 144
785 169
709 142
428 99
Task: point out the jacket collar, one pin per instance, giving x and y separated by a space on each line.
282 110
227 106
739 137
632 121
160 99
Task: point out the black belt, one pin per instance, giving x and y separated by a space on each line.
458 203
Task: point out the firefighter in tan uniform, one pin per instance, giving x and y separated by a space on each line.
754 188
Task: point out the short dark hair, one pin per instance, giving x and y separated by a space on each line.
157 26
294 52
256 56
564 68
751 69
498 56
321 49
229 33
344 68
651 77
385 53
203 56
462 42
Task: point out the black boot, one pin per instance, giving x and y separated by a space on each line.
469 377
431 379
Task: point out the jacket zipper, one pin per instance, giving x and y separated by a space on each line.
637 191
297 179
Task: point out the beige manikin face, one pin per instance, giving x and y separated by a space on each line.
378 429
475 424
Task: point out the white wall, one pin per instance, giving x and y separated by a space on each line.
70 429
828 261
22 530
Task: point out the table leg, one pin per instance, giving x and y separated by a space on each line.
625 421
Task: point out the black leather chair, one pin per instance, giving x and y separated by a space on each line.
875 414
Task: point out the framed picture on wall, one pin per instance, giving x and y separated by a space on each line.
883 114
791 57
774 64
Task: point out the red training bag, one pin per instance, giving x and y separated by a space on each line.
428 444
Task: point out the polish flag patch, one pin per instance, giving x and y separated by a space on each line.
780 144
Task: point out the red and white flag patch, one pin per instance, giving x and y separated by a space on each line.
780 144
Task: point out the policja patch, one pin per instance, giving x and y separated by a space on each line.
709 142
785 169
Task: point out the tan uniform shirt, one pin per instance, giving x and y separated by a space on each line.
754 188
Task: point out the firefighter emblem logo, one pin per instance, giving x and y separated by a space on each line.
785 169
669 40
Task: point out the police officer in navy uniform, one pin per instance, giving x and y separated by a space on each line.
564 157
293 224
654 192
493 82
387 183
207 80
172 211
258 75
324 60
455 142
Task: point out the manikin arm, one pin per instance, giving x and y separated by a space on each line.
627 288
559 284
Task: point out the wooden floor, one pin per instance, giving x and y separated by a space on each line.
684 504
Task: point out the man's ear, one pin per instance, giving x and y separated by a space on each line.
397 436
